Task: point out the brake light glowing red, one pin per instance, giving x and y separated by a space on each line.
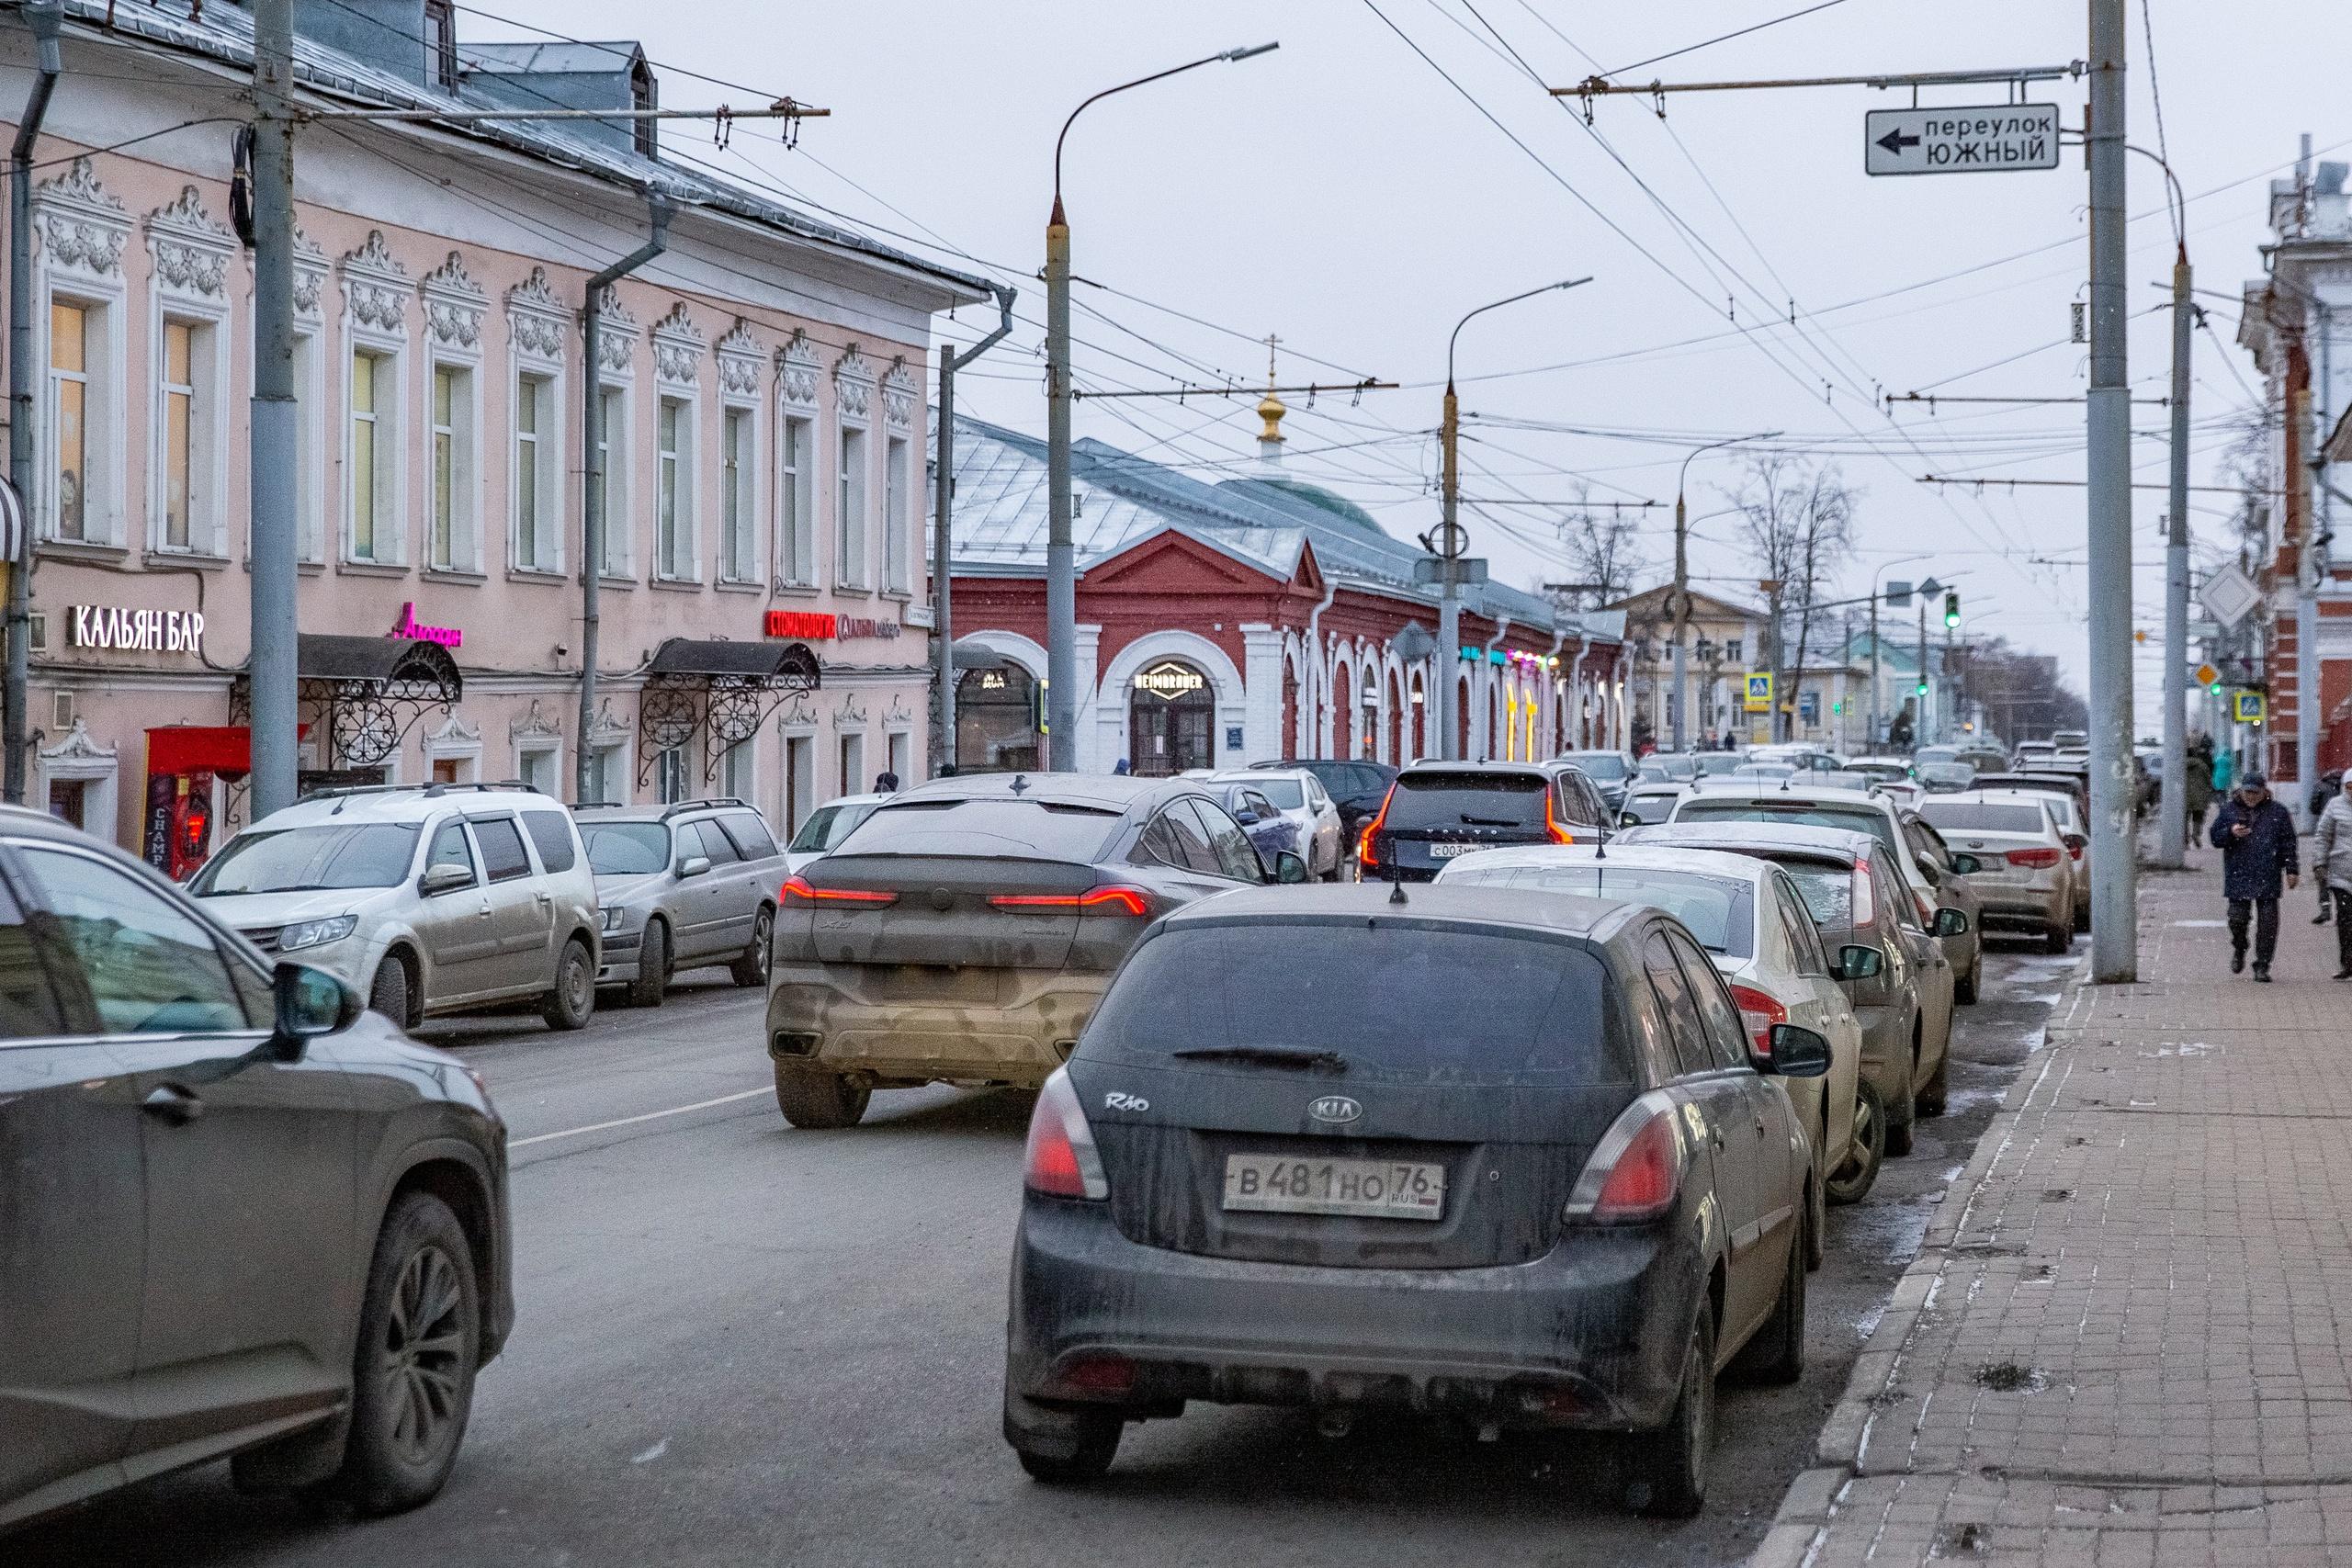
799 887
1760 1012
2074 850
1365 854
1558 834
1104 900
2035 860
1646 1178
1061 1160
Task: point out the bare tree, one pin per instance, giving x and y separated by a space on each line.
1799 520
1603 550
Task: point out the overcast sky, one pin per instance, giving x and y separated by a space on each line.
1342 194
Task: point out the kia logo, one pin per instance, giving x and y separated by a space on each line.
1334 1108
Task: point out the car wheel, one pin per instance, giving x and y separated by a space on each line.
1777 1353
1667 1473
412 1375
652 966
819 1100
2082 917
573 1000
1850 1181
390 992
751 968
1902 1110
1965 989
1933 1095
2058 938
1082 1452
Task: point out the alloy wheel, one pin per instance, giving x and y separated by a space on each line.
423 1361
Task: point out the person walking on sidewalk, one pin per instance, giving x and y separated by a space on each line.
2257 837
2332 869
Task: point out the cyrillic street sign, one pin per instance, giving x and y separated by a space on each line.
1961 139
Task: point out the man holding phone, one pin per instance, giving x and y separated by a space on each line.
2256 838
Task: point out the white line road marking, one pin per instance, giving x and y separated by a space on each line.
632 1121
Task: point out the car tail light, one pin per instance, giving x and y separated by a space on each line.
1636 1172
1865 896
1095 900
1760 1012
2035 860
1062 1161
2074 850
1364 853
1097 1374
797 887
1558 834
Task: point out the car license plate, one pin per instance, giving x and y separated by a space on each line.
1447 852
1371 1189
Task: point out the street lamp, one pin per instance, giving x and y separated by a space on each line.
1061 561
1682 582
1876 732
1449 550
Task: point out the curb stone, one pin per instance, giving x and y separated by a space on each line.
1813 1496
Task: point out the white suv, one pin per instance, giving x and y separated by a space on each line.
429 898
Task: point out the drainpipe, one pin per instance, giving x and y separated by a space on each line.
1552 694
1576 688
1314 665
592 520
1486 663
43 20
942 627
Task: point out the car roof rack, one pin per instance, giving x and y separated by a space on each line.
431 789
704 804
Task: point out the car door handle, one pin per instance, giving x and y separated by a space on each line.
1715 1136
169 1102
543 899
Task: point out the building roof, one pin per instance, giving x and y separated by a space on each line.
1122 499
224 36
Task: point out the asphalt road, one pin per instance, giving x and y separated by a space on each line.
741 1343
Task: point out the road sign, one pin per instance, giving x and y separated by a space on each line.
1759 693
1898 594
1960 140
2206 676
2247 707
2229 594
1468 570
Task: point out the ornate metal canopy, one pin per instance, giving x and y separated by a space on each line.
723 691
364 694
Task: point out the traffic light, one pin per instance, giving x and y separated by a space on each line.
2215 688
1923 688
1952 609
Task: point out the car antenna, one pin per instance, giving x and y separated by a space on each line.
1395 883
1020 783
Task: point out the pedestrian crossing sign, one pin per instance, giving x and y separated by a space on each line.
1759 692
2247 707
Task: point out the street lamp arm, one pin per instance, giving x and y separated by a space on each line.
1713 446
1497 305
1242 53
2179 203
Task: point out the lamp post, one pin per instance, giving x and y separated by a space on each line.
1878 733
1679 698
1450 540
1061 561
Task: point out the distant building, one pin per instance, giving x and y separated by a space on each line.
1727 641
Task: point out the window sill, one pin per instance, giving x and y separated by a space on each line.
678 584
539 573
794 589
899 595
369 568
736 585
610 580
83 549
453 574
858 588
201 559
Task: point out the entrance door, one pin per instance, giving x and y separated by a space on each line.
65 800
1169 720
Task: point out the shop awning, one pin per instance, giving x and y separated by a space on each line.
381 662
719 689
753 661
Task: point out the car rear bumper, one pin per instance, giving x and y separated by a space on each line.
1591 1334
2016 905
1019 1036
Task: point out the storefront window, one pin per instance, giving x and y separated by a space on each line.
1170 716
996 721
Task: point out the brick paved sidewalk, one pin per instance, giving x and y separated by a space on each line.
2129 1338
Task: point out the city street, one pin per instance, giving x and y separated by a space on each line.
741 1343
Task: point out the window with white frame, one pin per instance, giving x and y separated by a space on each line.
537 482
83 230
670 774
796 505
852 764
902 757
799 782
187 448
71 329
371 456
673 492
613 447
453 467
537 763
894 514
308 451
738 774
738 543
849 509
181 447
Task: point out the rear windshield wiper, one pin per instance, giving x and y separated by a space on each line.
1269 1055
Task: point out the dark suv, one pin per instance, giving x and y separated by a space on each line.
240 1217
1437 811
1356 788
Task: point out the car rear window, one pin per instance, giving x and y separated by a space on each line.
1827 891
1287 794
1797 814
1055 830
1967 817
1391 994
1720 910
552 832
1467 800
752 838
1605 765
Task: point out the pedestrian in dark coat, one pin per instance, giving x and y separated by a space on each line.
2257 837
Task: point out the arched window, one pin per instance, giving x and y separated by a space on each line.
1172 715
995 719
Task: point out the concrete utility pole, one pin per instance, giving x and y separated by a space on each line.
942 626
1061 559
2172 816
1923 687
272 678
592 509
2114 902
43 20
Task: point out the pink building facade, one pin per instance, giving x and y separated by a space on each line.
761 382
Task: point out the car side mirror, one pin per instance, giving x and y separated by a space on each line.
1930 871
1627 819
1797 1052
1856 962
1951 921
2076 840
694 865
306 1003
1966 865
440 879
1247 819
1288 867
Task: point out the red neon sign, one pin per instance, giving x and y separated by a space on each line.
800 624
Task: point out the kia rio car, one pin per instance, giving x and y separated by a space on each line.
1478 1152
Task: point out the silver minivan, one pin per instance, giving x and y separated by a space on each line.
429 898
